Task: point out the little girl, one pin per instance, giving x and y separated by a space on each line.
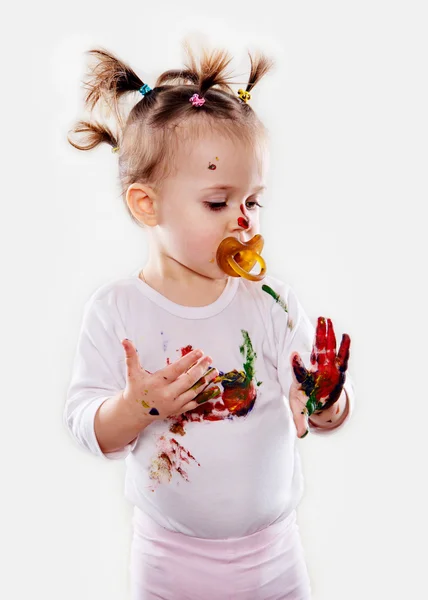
197 377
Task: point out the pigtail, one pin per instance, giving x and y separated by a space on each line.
205 75
260 65
211 69
95 134
109 79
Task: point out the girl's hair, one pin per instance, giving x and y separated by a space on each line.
154 131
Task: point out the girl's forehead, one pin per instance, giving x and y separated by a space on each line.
220 160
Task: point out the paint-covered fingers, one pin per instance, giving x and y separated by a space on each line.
182 365
199 393
187 378
191 376
190 383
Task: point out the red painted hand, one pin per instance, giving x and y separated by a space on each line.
319 387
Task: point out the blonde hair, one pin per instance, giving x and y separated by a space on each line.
149 138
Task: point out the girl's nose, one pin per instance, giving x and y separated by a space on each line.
243 218
240 223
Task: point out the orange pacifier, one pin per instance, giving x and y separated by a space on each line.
237 258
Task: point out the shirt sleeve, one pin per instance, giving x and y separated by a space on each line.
97 374
294 332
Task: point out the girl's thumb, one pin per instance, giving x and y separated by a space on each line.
131 355
292 363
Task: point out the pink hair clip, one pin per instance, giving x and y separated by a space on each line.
196 100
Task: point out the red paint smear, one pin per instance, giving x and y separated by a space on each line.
171 457
182 450
206 412
238 398
186 349
243 222
330 367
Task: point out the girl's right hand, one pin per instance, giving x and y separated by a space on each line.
168 391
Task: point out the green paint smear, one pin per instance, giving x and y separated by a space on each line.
312 404
249 356
275 296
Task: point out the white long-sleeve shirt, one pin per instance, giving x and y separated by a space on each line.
232 466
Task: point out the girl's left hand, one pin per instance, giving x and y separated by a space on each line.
319 387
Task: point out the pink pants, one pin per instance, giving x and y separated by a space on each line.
267 565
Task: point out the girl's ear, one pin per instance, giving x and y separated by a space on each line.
141 200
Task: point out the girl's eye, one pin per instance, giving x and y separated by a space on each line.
215 206
255 203
219 206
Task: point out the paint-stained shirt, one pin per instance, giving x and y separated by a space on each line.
232 466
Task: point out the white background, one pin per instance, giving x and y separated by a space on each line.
344 223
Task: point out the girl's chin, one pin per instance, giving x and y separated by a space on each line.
221 274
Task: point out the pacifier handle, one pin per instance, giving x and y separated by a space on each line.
240 271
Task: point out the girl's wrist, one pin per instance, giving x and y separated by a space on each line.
332 417
115 425
132 411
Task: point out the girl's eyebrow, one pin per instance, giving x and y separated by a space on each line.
231 187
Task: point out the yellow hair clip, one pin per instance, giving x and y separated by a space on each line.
115 149
245 96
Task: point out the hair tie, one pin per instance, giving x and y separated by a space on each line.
145 89
196 100
244 96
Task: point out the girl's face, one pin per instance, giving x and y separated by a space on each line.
202 205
